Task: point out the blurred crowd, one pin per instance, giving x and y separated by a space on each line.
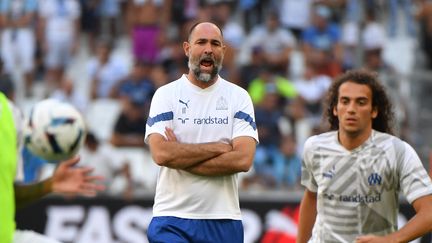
285 53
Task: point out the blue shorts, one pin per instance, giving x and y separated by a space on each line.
179 230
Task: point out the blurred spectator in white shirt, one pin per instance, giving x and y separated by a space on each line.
109 164
59 32
67 93
18 42
272 42
105 70
109 11
312 88
295 15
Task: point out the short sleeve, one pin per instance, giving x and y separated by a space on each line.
307 176
244 123
414 180
161 114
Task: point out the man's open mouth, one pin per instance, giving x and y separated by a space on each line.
207 62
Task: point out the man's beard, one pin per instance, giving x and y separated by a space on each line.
203 76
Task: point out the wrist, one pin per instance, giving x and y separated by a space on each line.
394 238
48 186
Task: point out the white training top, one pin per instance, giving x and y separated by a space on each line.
358 190
218 113
60 18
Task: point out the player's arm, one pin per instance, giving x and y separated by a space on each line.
308 212
27 193
240 159
176 155
67 179
417 226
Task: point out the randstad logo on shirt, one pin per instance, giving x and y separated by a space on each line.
360 198
354 198
210 120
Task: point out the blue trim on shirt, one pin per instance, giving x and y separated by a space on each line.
166 116
246 117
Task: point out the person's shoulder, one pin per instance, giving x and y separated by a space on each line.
382 137
395 148
389 142
321 139
320 144
325 136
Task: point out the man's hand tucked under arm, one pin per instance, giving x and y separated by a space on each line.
238 160
173 154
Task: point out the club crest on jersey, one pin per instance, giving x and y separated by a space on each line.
186 105
374 179
221 104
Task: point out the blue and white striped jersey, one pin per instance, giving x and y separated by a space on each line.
358 190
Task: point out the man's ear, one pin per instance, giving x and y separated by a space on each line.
186 48
374 112
334 111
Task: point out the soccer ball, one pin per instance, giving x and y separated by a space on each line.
54 130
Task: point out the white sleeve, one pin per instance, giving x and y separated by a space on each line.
244 123
307 176
160 115
414 180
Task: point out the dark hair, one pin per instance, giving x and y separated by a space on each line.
91 138
380 100
192 28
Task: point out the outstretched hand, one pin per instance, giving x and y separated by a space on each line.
70 180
